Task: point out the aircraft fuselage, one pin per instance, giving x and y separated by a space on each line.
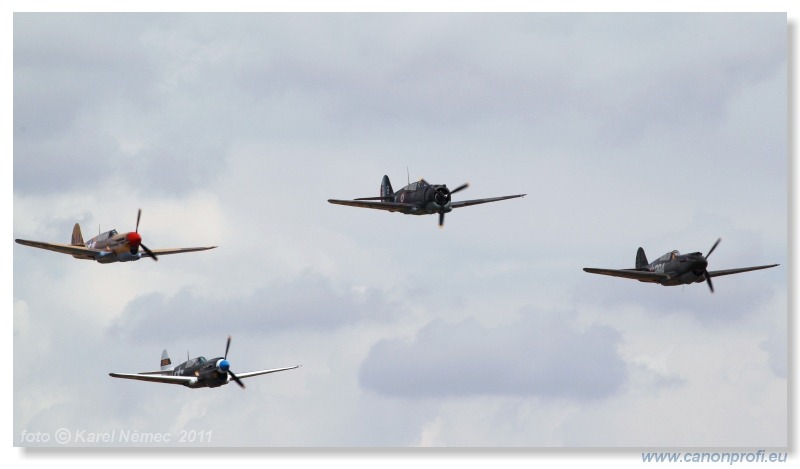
681 269
121 247
427 198
209 373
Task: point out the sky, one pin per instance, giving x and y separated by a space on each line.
665 131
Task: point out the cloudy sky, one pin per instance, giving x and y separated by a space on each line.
665 131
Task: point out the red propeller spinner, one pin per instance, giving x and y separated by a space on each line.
135 239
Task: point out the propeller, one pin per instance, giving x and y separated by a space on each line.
225 365
705 273
460 188
443 196
136 240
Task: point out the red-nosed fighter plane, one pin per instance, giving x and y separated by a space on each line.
108 247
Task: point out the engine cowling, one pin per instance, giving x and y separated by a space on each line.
441 196
223 365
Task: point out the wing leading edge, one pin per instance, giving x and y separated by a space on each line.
264 372
719 273
164 252
90 253
467 203
641 275
388 206
191 381
157 378
645 276
64 248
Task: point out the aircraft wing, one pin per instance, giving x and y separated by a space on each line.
156 378
641 275
163 252
466 203
389 206
64 248
719 273
263 372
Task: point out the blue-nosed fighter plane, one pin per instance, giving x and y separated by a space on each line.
197 372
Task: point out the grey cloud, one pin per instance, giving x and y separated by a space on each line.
99 109
735 299
540 355
191 93
307 303
776 346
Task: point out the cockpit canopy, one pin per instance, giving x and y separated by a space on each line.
414 186
670 256
196 361
106 235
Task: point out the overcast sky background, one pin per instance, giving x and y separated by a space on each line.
665 131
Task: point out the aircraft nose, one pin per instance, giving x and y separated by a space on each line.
224 365
700 263
134 238
441 196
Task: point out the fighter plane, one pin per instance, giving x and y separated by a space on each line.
674 268
108 247
197 372
417 198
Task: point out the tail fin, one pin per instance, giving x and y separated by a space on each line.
166 363
641 259
77 237
386 187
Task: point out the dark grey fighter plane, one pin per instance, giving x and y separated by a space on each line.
674 268
417 198
197 372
